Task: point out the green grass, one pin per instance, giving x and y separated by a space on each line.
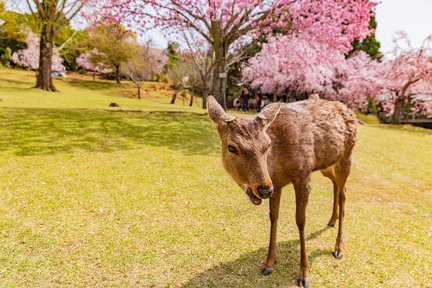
80 92
94 197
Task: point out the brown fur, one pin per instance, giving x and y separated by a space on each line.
284 145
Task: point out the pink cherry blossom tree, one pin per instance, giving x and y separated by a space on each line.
93 61
29 57
356 79
223 23
293 63
409 79
298 64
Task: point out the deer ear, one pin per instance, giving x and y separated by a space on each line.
268 114
215 111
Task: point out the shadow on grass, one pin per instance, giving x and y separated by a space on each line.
91 85
28 131
14 83
245 271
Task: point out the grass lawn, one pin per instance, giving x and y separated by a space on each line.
136 196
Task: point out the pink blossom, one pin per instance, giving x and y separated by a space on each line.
93 61
336 22
29 58
408 76
298 64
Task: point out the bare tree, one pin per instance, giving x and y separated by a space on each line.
203 60
185 76
140 67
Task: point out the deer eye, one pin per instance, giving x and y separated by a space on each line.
232 149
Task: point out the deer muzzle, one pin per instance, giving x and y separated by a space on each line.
265 192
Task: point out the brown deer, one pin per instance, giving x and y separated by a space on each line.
284 144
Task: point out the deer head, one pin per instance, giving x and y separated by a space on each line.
245 146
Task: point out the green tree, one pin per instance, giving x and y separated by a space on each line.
116 43
71 43
10 34
172 53
6 57
370 44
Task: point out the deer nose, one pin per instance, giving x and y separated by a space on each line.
265 193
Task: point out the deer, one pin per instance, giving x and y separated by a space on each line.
284 144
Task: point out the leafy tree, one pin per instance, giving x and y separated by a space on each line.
71 43
10 23
172 53
6 57
115 42
54 15
370 44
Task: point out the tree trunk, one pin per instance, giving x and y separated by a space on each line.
44 79
204 96
139 92
191 99
94 76
220 70
174 97
117 73
398 110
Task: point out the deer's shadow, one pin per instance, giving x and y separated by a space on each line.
245 270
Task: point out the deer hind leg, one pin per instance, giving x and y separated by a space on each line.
329 173
342 170
267 269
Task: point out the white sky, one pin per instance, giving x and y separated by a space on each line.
412 16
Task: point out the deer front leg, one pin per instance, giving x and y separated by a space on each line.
274 214
302 189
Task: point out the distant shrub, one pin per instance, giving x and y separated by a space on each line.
6 58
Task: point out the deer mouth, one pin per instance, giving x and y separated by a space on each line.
254 199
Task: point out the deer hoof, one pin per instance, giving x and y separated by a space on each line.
266 271
337 255
303 282
330 224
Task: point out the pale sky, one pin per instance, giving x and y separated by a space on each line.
412 16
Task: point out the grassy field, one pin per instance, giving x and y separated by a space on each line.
92 196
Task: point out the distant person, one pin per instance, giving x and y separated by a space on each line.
245 100
259 100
